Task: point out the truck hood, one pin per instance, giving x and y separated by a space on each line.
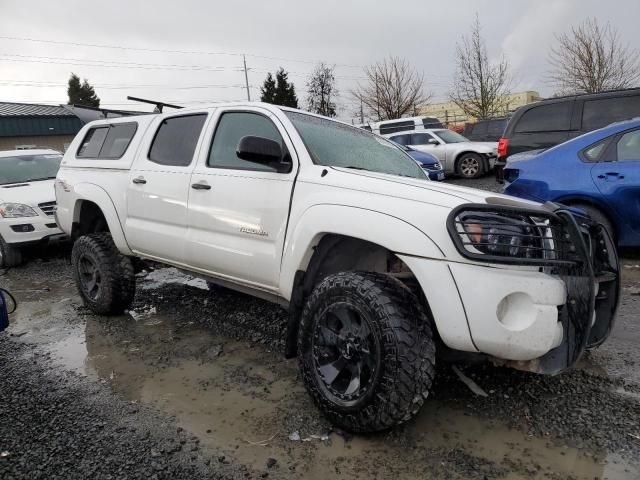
425 191
28 193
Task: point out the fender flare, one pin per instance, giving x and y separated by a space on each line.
96 194
396 235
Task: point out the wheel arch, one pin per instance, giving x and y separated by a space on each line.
343 243
94 211
577 200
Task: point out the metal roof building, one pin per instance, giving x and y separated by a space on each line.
25 125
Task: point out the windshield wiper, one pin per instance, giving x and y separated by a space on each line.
39 179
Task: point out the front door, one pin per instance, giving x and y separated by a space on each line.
158 188
420 141
238 210
617 176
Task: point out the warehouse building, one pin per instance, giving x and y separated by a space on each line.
26 125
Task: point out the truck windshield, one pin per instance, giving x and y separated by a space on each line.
449 136
28 168
334 144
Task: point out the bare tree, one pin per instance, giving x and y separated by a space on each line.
321 91
392 89
591 58
480 88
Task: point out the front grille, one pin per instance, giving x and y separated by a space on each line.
49 208
433 166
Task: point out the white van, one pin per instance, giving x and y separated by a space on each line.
387 127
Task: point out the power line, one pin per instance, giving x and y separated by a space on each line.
160 50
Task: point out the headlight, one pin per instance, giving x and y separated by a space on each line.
15 210
501 234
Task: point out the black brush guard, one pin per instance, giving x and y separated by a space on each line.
587 262
593 290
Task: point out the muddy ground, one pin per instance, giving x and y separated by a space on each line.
192 383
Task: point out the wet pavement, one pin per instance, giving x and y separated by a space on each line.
212 361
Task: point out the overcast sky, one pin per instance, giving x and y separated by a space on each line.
186 51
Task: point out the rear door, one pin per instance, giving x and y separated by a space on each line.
542 126
617 176
158 188
238 210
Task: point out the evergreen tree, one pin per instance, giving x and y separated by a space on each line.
285 91
268 90
81 93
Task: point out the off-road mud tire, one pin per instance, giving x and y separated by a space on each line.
10 255
407 349
116 270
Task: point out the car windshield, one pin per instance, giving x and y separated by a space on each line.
334 144
29 168
449 136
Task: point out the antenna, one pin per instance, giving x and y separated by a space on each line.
159 105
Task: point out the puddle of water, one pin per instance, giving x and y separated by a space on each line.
234 396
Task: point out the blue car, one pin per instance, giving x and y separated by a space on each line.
428 162
598 172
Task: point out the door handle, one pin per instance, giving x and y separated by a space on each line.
139 180
610 174
201 186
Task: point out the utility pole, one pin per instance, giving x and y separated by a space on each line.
246 77
361 113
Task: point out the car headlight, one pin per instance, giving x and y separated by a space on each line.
502 234
15 210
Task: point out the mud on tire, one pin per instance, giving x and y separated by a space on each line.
397 330
105 278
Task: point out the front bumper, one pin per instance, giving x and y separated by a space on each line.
37 229
538 319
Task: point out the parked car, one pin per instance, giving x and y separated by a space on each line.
27 201
372 260
428 162
489 130
456 153
598 172
555 120
387 127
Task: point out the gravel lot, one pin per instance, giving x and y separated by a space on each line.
192 384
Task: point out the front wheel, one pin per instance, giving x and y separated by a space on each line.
10 255
366 352
470 165
105 278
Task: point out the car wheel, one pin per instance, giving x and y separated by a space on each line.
597 215
10 255
470 165
105 278
366 351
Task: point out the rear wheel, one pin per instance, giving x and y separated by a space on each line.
366 351
105 278
470 165
10 255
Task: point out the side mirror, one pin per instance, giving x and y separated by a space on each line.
433 141
263 151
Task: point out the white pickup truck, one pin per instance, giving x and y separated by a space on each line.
379 267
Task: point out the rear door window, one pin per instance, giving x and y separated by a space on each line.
551 117
480 128
628 147
600 113
496 127
176 139
402 139
430 122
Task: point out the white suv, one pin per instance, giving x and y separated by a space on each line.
27 201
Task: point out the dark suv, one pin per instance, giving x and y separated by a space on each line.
553 121
489 130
